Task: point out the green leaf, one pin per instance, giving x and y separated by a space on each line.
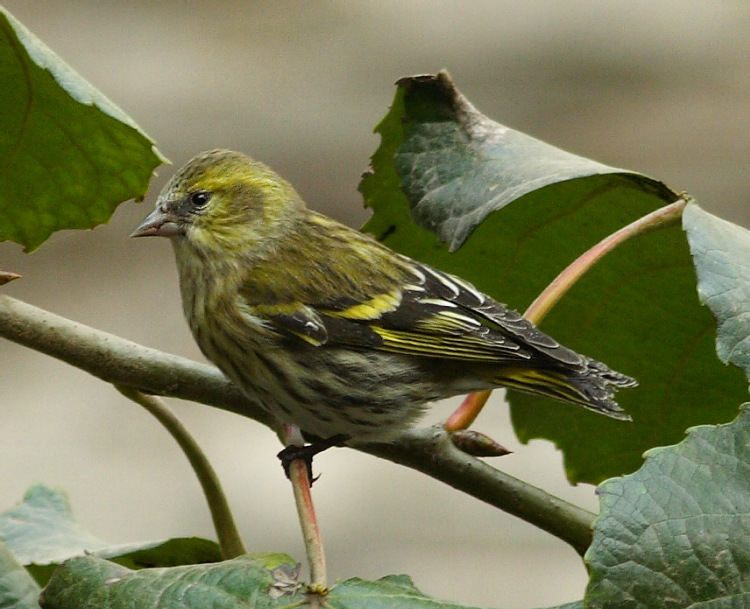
520 211
676 534
259 581
722 262
391 592
253 580
42 533
17 589
69 155
42 529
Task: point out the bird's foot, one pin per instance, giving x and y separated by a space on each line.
306 453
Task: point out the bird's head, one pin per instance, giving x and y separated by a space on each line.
223 201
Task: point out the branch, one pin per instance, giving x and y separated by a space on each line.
122 362
430 451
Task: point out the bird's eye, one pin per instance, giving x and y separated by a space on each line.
199 198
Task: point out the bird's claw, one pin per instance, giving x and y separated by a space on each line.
306 453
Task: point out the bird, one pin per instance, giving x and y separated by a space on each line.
326 328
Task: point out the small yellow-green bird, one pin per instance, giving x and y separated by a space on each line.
329 330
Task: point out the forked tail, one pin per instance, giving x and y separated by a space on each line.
593 387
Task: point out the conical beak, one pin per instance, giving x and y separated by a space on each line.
159 223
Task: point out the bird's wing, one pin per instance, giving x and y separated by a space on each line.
436 315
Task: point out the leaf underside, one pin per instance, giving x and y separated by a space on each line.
676 534
42 532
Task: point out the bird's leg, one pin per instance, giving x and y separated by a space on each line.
306 452
298 470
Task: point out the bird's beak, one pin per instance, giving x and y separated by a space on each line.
159 223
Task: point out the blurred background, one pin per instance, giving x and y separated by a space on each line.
661 87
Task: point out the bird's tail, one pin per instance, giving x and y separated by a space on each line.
592 387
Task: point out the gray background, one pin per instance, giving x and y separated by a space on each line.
660 87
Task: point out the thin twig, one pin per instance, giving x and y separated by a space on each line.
229 538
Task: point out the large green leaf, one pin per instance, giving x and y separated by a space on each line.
677 532
722 262
42 533
520 211
69 155
259 580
